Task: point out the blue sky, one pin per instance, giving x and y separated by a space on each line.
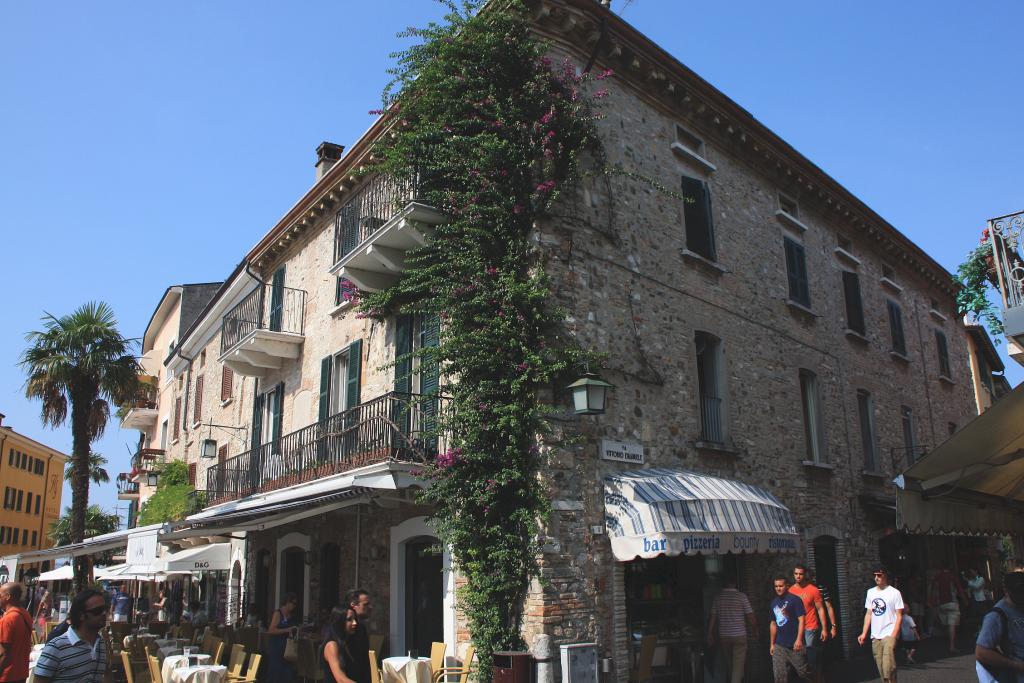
145 144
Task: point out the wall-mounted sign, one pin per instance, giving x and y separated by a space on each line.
622 451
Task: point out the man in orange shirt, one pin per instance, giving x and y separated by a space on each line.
15 635
814 609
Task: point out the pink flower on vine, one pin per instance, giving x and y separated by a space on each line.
522 367
546 119
600 94
546 186
517 209
450 458
604 74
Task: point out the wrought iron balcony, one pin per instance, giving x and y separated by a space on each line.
1006 235
376 227
264 329
126 488
146 460
395 427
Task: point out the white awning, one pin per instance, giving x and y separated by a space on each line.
111 572
90 546
673 512
973 483
203 558
65 573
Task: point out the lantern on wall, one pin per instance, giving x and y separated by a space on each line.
589 393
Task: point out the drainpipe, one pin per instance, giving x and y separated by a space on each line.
359 536
42 509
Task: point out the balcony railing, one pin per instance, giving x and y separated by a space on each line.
146 459
370 208
392 427
276 309
125 486
711 428
1006 235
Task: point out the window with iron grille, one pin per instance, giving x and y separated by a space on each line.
709 388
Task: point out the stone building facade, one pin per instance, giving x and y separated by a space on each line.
726 309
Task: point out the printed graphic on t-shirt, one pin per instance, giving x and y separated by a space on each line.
878 607
781 614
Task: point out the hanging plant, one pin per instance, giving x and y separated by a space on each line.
491 130
976 276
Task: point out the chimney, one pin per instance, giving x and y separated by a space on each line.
327 154
2 416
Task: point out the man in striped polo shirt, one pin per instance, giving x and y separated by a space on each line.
730 615
78 655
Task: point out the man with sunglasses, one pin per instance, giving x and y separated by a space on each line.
882 617
78 655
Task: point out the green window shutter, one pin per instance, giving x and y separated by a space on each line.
403 347
277 299
277 412
430 332
899 344
700 233
326 368
796 271
854 304
355 358
257 416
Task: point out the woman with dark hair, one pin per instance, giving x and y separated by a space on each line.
337 658
281 627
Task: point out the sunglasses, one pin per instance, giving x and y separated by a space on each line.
879 574
96 611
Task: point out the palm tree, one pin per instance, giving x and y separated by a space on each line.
97 521
97 473
80 361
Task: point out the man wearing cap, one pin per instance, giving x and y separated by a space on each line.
1000 648
883 612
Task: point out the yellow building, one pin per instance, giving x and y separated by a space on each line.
32 479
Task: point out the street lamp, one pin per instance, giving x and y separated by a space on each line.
152 478
209 450
588 394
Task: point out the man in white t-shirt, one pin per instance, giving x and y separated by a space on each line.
882 617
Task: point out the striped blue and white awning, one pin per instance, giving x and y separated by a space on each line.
674 512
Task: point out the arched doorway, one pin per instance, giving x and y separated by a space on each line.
261 592
424 594
827 572
293 578
330 568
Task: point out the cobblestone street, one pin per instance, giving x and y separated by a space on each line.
935 666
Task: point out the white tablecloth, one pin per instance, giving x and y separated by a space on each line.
406 670
33 655
173 661
204 673
167 642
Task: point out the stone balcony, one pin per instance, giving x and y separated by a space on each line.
264 330
376 228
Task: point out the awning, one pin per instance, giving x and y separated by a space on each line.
973 483
674 512
90 546
203 558
111 572
65 573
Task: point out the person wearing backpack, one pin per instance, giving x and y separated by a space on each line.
1000 648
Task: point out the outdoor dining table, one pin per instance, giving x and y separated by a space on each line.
203 673
406 670
165 642
169 650
33 655
144 637
172 662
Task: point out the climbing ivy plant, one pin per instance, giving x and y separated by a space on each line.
492 131
975 275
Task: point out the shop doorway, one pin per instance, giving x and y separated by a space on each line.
424 594
262 586
826 571
293 578
330 566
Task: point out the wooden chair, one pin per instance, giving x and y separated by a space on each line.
249 636
119 630
154 670
309 667
205 640
236 660
377 644
158 628
375 673
250 673
461 671
645 660
217 650
436 656
187 631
